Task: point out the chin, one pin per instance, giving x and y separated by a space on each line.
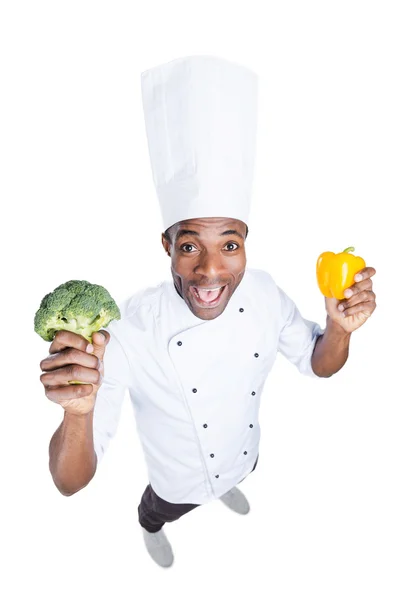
208 315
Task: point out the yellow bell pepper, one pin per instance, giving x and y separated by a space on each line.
335 272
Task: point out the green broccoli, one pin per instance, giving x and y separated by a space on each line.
77 306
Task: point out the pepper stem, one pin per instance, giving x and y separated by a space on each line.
349 249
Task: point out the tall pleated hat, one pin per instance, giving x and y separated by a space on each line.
201 120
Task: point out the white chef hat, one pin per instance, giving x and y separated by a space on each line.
201 120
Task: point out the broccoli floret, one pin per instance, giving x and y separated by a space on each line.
77 306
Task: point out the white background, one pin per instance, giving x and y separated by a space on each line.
78 202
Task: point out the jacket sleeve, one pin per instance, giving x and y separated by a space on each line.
110 396
297 336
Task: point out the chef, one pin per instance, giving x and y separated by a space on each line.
195 351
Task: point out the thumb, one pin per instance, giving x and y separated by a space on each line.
100 340
331 305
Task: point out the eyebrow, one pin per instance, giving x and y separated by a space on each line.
183 232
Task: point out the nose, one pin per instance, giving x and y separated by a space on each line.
211 267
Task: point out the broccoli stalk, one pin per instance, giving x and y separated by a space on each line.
77 306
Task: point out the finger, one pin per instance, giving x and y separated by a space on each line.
96 337
68 339
364 296
67 392
358 287
100 340
366 308
65 339
364 273
69 373
67 357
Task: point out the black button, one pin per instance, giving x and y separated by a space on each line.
245 452
194 390
212 455
179 343
205 425
250 425
241 309
253 393
217 476
256 355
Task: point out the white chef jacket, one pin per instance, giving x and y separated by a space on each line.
195 385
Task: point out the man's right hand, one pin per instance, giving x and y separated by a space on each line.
70 360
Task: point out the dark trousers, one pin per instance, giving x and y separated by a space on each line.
154 512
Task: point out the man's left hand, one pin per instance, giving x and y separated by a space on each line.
358 305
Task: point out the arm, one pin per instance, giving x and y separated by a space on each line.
73 460
343 317
297 336
89 422
331 350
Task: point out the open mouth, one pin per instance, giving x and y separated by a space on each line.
207 297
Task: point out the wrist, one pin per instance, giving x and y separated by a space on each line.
334 328
77 417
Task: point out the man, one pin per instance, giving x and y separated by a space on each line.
194 352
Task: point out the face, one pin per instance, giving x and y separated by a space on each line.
207 253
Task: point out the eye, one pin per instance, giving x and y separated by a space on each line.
183 246
233 244
192 246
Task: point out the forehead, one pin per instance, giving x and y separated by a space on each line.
209 224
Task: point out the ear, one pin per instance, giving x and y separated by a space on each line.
165 244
